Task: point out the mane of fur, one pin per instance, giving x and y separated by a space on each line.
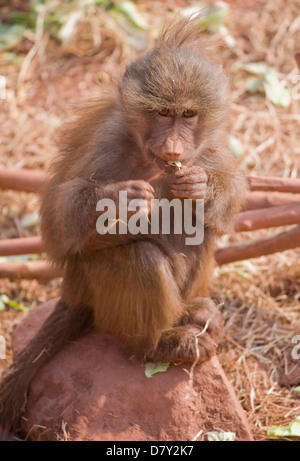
187 33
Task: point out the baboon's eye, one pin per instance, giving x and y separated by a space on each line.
164 112
189 113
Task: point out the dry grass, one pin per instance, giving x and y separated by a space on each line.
259 326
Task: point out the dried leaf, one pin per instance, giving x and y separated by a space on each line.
152 368
220 436
177 164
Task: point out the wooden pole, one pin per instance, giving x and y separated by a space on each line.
252 249
297 57
23 180
246 221
272 183
286 240
264 209
29 270
21 246
258 199
265 218
34 180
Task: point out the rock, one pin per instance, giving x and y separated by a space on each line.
92 391
289 374
292 378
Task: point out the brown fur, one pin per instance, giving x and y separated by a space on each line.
150 291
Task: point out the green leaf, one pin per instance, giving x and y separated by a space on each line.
275 91
243 274
221 436
129 10
5 301
105 3
10 36
213 17
235 146
297 389
19 306
13 303
291 430
152 368
11 57
255 84
26 19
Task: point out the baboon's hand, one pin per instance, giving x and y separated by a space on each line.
190 182
135 190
